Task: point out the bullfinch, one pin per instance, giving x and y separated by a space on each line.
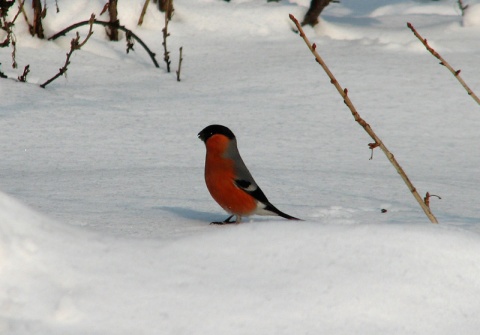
228 179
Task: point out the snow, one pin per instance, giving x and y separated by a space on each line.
104 212
472 16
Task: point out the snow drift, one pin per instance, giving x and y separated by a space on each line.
110 231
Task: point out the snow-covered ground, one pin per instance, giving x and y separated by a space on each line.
110 158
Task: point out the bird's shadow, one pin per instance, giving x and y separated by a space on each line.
193 214
199 216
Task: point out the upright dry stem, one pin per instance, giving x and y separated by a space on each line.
364 124
462 7
179 64
166 53
456 73
144 11
23 77
8 28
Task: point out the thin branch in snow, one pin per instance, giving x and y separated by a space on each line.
344 93
75 44
426 200
30 26
23 77
2 75
372 146
166 53
106 23
443 62
179 64
8 28
462 7
144 11
130 41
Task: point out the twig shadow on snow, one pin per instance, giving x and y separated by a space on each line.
192 214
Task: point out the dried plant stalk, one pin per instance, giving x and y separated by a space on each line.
144 11
456 73
75 44
365 125
38 15
165 34
462 7
23 77
179 64
8 28
106 23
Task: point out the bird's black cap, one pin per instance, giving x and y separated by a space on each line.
215 129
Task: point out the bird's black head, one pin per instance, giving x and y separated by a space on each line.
215 129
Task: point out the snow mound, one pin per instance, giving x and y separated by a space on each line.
110 153
268 277
472 16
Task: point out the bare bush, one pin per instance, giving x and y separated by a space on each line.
377 141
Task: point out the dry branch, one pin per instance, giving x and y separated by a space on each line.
105 23
130 42
75 44
2 75
38 15
23 77
112 31
364 124
314 11
8 28
144 11
166 6
30 26
462 7
179 64
166 53
456 73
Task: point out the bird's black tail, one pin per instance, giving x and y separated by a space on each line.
275 210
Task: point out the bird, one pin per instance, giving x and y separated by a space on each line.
228 180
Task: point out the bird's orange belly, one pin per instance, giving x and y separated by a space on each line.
220 184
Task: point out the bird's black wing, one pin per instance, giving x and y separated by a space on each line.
252 189
257 193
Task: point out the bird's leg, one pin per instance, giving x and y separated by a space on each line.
226 221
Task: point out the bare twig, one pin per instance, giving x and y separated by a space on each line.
314 11
344 93
2 75
130 42
38 15
144 11
112 30
8 28
75 44
20 9
30 26
23 77
166 6
166 53
426 200
456 73
462 7
106 23
179 64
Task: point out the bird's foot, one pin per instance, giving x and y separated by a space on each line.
226 221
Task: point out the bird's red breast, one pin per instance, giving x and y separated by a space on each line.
220 177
